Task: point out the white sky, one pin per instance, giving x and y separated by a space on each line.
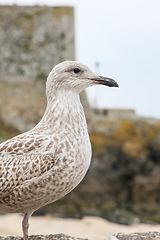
124 37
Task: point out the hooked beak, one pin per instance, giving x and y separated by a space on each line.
105 81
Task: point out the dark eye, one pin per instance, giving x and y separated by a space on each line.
76 70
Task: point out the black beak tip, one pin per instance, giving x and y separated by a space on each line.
115 84
107 81
111 83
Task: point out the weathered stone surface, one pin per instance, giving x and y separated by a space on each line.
138 236
22 103
43 237
33 40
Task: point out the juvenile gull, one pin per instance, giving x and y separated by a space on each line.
44 164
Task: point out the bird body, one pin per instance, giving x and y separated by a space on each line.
44 164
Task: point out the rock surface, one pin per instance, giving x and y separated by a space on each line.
138 236
43 237
33 40
118 236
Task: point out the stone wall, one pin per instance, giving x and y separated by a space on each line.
114 114
32 41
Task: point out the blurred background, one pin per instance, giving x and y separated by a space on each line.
118 39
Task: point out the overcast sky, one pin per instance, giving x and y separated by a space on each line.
124 37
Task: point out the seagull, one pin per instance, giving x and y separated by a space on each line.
42 165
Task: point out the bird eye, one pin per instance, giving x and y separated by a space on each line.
76 70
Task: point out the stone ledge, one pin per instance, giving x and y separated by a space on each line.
138 236
44 237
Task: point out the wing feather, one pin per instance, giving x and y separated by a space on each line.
23 158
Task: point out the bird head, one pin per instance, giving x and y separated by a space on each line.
74 76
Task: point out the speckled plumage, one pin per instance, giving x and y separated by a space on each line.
37 167
44 164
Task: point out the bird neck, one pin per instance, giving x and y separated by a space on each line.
63 107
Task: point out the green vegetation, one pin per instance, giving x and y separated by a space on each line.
132 138
29 15
59 12
26 15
